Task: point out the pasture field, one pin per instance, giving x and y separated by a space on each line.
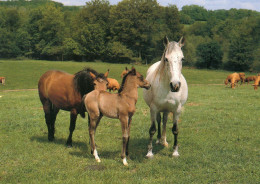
219 134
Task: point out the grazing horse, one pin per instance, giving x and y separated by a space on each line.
250 78
168 92
124 72
112 83
60 90
257 82
2 80
233 79
119 106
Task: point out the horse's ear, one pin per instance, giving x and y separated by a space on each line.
106 74
133 71
126 68
181 42
165 41
92 75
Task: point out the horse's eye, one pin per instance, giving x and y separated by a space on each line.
165 59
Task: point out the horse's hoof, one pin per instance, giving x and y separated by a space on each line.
68 146
51 139
175 154
149 155
98 160
165 144
125 162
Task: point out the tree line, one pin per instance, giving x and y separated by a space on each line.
130 31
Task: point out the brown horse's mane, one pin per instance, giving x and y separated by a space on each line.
123 81
83 82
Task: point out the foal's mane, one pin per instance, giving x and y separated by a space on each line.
123 81
83 82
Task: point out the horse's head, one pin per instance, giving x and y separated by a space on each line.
100 81
172 59
141 82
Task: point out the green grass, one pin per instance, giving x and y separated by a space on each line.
219 138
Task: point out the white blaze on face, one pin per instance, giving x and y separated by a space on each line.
174 62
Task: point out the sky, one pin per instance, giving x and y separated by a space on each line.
208 4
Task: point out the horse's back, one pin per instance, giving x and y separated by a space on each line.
56 86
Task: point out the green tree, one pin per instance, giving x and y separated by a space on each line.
210 55
195 12
47 32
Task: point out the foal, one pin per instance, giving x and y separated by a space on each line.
119 106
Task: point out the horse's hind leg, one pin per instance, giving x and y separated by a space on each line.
73 118
54 111
50 117
47 113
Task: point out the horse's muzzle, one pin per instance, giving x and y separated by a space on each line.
147 86
176 87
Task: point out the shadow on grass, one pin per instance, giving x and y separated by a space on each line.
137 148
60 141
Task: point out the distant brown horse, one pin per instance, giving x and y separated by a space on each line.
235 78
112 83
2 80
60 90
250 78
119 106
257 82
124 72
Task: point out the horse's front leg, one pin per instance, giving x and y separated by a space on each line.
73 118
163 139
124 125
175 131
92 129
159 135
152 131
129 127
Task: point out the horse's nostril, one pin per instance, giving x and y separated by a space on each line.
176 87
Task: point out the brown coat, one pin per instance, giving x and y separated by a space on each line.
2 80
257 83
113 84
232 78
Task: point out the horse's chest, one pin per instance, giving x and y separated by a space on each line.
167 102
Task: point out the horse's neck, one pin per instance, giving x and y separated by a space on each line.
130 90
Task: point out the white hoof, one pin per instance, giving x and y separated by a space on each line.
157 141
125 162
98 160
175 154
149 154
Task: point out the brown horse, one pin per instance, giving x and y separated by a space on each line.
60 90
2 80
250 78
112 83
119 106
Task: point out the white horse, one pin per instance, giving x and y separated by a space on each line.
168 92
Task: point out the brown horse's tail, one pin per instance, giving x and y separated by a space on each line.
83 108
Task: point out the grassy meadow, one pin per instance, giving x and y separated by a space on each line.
219 134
